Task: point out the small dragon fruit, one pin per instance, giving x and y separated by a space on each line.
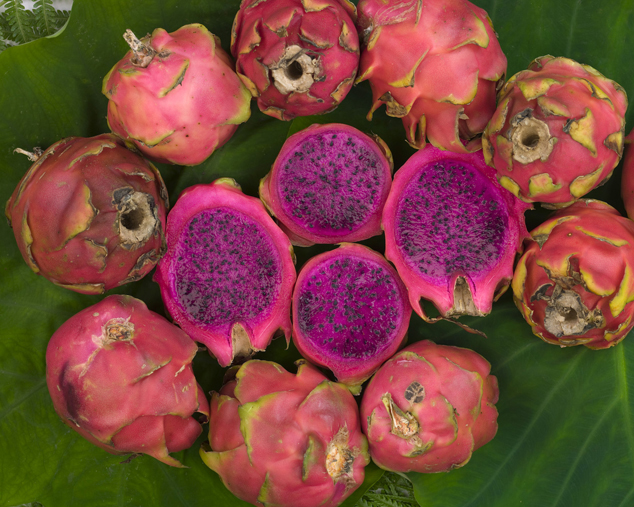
452 232
89 214
286 440
557 132
436 64
329 184
627 179
229 271
121 376
298 57
429 407
350 312
176 95
574 284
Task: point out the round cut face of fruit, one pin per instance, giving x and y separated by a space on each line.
228 269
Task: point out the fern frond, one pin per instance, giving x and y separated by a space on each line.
5 27
20 22
46 17
3 45
392 490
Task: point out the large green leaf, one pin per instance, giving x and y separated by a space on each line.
566 434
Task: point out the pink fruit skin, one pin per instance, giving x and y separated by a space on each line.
301 236
627 179
323 30
67 214
435 64
350 371
579 267
486 286
185 104
121 376
225 193
450 397
271 435
581 114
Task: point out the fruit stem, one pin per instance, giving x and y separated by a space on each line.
33 156
142 53
295 72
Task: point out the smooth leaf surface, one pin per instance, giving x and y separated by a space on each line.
566 434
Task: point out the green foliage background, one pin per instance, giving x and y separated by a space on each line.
566 434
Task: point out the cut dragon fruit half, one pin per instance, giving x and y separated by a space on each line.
329 184
229 272
452 232
350 312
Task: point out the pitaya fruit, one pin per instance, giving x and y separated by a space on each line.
350 312
429 407
229 271
329 184
286 440
627 179
298 57
436 64
452 232
121 376
574 284
89 214
557 132
176 95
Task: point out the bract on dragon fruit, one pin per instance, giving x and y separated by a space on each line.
121 376
229 271
329 184
89 215
287 440
176 95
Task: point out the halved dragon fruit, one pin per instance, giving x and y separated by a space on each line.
329 184
627 179
229 271
452 232
350 312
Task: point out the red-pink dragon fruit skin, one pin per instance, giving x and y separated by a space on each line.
627 178
557 132
436 64
429 407
121 376
452 232
229 271
329 184
287 440
176 95
297 57
574 284
89 214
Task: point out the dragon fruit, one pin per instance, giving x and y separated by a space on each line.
429 407
121 376
436 64
350 312
452 232
627 180
329 184
557 132
89 214
574 284
176 95
298 57
229 271
286 440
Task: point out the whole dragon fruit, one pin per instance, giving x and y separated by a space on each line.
329 184
298 57
350 312
574 284
89 214
121 376
557 132
176 95
286 440
436 64
429 407
229 271
627 179
452 232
